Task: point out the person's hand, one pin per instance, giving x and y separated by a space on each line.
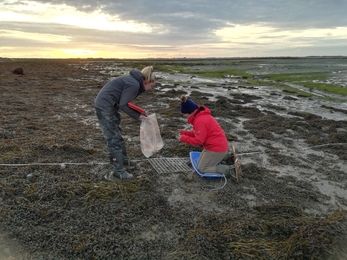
143 116
178 135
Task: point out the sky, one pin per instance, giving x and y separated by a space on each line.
172 28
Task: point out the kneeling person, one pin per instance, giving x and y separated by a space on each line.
206 133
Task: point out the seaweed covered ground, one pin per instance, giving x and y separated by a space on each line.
55 203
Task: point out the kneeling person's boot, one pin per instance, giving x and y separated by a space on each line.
228 159
228 171
233 171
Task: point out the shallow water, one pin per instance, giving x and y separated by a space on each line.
271 96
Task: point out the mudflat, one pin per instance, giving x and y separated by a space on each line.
55 203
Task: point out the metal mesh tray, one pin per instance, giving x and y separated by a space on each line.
167 165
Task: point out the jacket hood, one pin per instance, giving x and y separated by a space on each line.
202 110
138 76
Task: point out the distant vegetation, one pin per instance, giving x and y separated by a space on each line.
309 80
243 68
230 68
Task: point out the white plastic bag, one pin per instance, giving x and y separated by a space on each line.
150 138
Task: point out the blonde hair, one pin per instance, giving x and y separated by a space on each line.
148 74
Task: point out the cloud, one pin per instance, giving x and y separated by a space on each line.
216 27
176 13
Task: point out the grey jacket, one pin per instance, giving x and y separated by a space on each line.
118 92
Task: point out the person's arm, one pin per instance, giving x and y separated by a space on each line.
187 132
129 93
199 135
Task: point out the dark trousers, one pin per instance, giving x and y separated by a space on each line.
112 131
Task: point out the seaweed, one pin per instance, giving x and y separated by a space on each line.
55 203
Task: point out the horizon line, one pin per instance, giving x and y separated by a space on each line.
180 58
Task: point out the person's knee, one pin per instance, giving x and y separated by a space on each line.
206 169
201 169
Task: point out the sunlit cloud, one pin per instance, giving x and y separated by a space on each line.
79 52
31 11
138 29
33 36
264 34
99 21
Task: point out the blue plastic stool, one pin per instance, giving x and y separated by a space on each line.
194 159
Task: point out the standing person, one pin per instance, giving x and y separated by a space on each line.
113 96
208 134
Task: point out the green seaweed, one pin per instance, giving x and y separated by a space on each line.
313 80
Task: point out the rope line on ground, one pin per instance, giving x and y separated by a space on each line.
213 188
61 164
92 163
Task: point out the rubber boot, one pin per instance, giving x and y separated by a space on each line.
227 170
129 164
118 171
228 159
123 175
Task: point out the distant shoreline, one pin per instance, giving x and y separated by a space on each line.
2 59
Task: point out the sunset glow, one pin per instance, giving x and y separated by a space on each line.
117 29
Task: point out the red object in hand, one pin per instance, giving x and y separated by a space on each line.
138 109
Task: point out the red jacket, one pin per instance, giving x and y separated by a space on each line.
206 131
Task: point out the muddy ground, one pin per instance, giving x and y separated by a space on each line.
55 204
